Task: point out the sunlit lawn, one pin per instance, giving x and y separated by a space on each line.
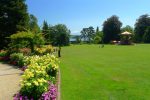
110 73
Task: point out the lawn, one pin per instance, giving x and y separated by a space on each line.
110 73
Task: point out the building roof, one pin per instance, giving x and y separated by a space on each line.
126 33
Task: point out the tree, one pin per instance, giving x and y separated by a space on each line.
140 27
127 28
13 17
146 36
111 29
88 33
24 39
83 34
62 34
33 24
45 28
99 33
97 29
46 31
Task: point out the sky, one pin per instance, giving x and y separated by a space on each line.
79 14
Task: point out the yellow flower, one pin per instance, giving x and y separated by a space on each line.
36 83
39 80
28 84
22 85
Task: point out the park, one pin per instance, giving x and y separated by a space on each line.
72 57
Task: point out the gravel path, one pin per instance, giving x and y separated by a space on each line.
9 81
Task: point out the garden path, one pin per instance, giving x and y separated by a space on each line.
9 81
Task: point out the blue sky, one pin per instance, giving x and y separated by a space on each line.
77 14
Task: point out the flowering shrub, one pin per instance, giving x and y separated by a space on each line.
17 59
25 51
4 56
3 53
41 70
44 50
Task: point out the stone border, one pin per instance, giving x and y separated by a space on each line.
58 85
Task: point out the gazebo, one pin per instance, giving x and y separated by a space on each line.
126 38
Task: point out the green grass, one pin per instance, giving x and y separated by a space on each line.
110 73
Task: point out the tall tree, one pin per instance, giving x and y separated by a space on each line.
140 27
146 36
46 31
45 28
83 34
111 29
33 24
97 29
62 34
13 17
88 33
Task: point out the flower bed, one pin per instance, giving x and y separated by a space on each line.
40 72
38 80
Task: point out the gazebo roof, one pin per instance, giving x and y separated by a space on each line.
126 33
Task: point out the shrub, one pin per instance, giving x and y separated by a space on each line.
3 53
26 39
44 50
97 39
22 39
25 51
17 59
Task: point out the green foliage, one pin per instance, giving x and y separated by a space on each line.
62 34
13 18
128 29
25 39
3 53
140 27
111 29
88 33
38 39
146 36
97 39
84 34
18 58
78 39
56 35
22 35
22 39
46 32
97 29
45 28
33 24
